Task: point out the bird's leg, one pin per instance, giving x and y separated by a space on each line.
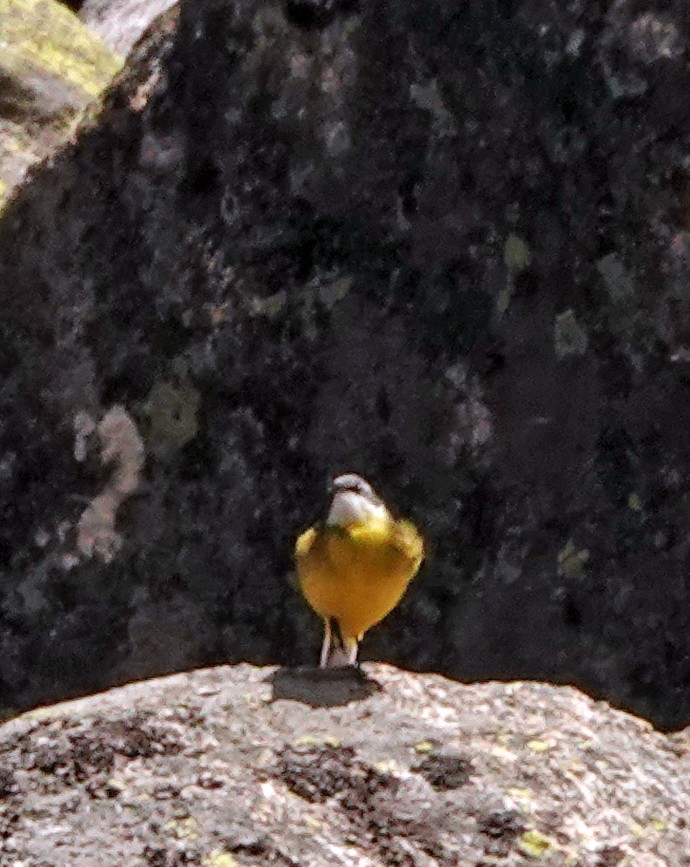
326 646
337 650
352 648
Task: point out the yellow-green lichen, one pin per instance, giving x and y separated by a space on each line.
534 844
41 713
318 741
184 829
325 291
387 766
571 562
570 338
517 256
634 502
172 408
271 306
429 98
43 37
52 67
219 858
519 794
311 822
538 746
504 298
330 293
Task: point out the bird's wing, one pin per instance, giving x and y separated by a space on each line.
409 540
304 542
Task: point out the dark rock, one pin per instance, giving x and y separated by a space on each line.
445 771
443 245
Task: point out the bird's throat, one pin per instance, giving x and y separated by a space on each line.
349 509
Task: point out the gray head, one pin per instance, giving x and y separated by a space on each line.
353 500
353 482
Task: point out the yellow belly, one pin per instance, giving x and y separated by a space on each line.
357 575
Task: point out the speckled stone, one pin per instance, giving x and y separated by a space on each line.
309 237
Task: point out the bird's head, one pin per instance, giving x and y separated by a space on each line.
354 501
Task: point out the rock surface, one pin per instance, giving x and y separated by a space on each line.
51 69
121 22
235 766
443 245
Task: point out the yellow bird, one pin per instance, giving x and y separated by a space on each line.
354 566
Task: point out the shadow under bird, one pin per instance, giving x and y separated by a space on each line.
355 565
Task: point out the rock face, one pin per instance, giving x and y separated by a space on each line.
121 22
217 768
51 69
443 245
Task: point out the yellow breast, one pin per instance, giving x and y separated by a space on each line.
357 575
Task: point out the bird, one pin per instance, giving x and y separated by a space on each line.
354 566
